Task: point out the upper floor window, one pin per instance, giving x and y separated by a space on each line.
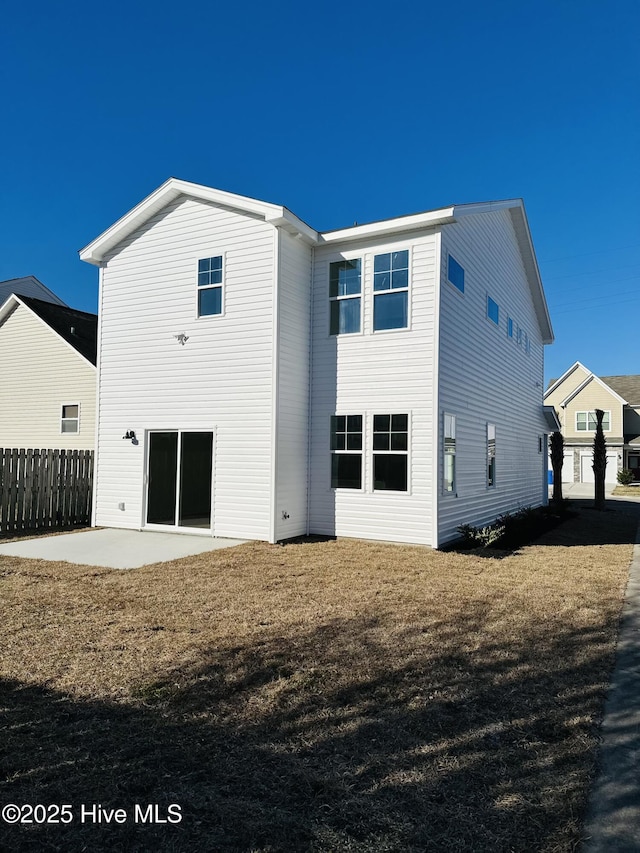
391 290
493 310
455 273
210 286
70 420
345 289
586 422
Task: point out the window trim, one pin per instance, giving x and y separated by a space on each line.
222 286
63 406
591 412
453 489
338 298
491 455
406 453
406 290
347 452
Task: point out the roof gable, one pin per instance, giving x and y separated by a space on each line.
591 379
28 285
77 328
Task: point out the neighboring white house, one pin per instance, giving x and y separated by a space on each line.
47 375
260 379
575 396
28 285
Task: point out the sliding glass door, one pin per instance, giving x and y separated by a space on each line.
179 479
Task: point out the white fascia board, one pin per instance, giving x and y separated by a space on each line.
9 306
387 227
95 251
592 378
565 376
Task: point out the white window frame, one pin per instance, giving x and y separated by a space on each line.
390 290
406 453
64 406
447 453
348 452
593 412
491 454
338 298
221 285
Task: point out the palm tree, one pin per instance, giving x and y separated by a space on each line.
557 458
599 461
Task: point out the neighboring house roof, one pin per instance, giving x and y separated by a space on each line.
591 378
626 386
77 328
280 216
28 285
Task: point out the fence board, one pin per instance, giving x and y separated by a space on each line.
41 488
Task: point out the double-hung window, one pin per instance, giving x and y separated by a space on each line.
587 422
491 455
70 419
449 477
391 290
346 451
390 452
345 293
210 286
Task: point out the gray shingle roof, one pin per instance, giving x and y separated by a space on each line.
627 387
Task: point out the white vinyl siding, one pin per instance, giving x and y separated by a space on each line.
220 380
484 378
373 374
41 373
294 300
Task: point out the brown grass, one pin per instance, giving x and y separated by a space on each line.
322 696
627 491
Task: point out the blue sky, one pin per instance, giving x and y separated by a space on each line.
342 112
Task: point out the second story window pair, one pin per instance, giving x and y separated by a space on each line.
390 293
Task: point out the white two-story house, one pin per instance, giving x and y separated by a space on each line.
260 379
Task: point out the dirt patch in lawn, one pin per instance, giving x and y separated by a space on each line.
325 696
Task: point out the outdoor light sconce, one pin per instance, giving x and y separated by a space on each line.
131 436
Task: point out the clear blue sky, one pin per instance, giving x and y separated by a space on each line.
342 112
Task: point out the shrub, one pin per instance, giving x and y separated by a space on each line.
511 530
625 477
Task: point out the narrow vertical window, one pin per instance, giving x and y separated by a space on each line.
210 286
510 328
345 288
346 451
390 452
455 273
493 311
449 453
491 455
70 420
391 291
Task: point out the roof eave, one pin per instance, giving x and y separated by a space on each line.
389 227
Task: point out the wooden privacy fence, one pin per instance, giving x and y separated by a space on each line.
44 488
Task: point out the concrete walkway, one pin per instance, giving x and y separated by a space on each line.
613 817
115 549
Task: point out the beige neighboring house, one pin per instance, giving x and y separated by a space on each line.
47 375
575 396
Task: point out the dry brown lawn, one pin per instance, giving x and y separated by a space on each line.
321 696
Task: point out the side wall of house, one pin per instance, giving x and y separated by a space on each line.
375 373
291 464
41 373
219 380
489 377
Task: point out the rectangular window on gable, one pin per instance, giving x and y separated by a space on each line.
210 286
390 452
346 451
345 289
493 310
70 420
455 273
587 422
391 290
